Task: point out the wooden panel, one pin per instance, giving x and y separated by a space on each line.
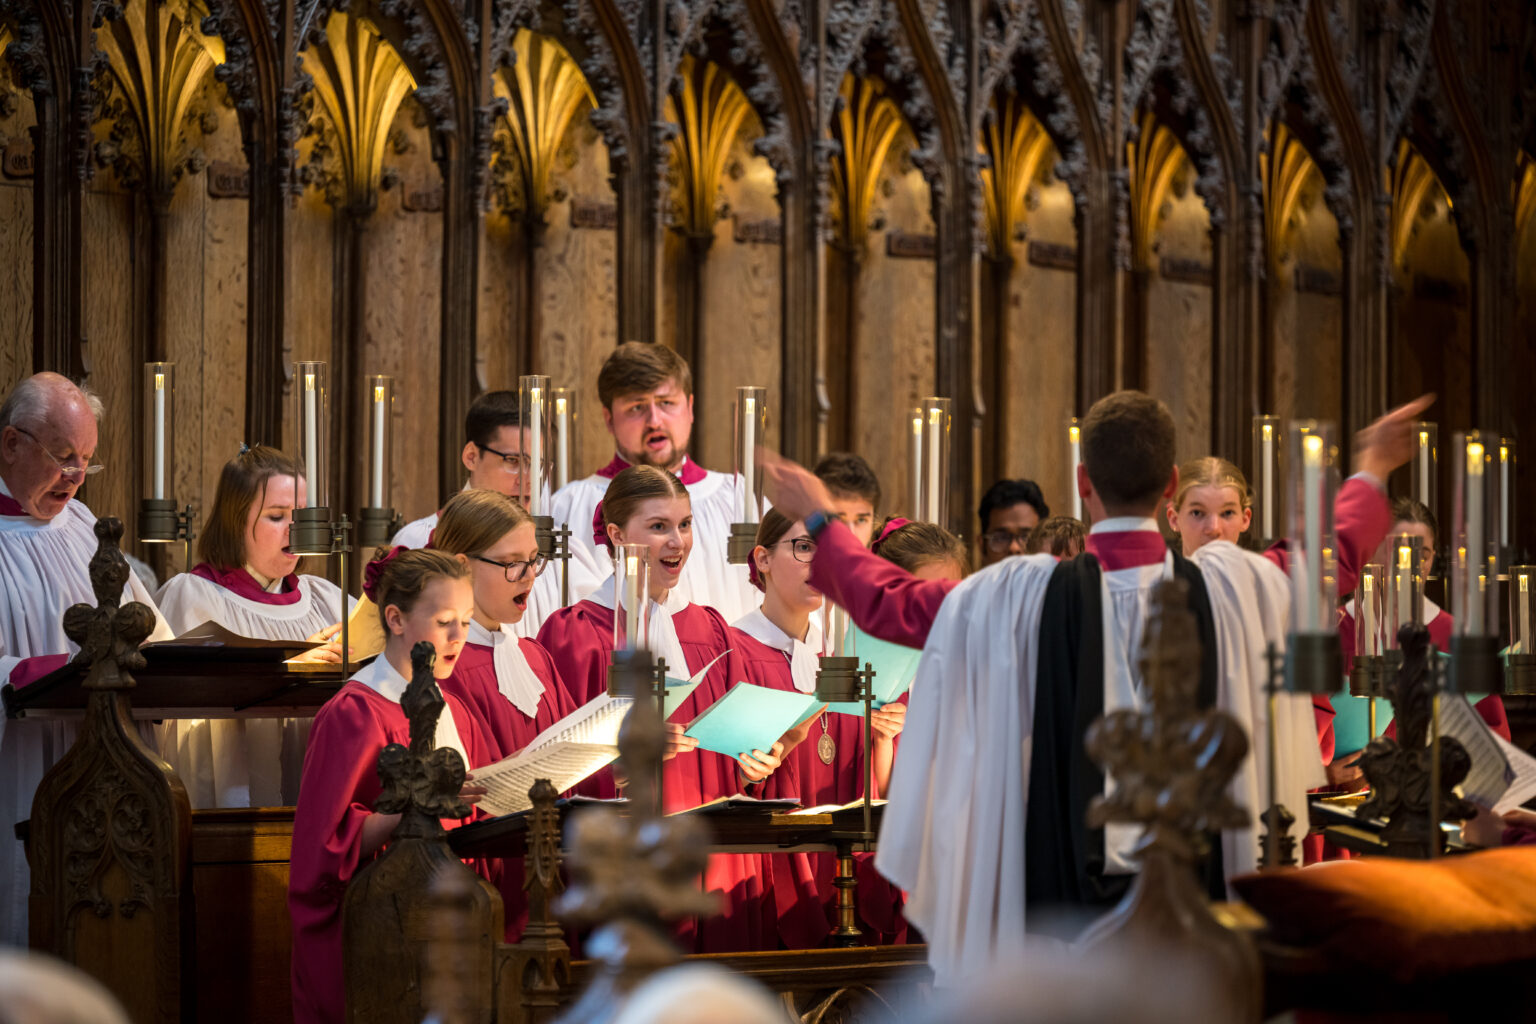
15 282
739 336
894 353
1178 354
108 318
1041 364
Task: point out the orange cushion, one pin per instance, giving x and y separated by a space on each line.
1404 918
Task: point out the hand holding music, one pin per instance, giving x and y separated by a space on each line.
329 651
471 791
677 743
887 722
758 765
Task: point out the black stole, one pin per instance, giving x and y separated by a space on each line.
1064 858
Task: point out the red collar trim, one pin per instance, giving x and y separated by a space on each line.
9 506
243 584
1127 549
691 472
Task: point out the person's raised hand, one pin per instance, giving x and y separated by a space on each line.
793 489
1388 443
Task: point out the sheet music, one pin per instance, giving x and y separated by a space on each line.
580 744
1522 771
1491 774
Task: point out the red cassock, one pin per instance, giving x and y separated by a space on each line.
885 600
507 730
336 794
804 897
579 639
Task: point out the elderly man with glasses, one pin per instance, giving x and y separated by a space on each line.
48 432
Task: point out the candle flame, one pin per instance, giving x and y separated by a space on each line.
751 405
935 416
378 393
1405 556
309 382
1504 453
1423 439
1312 448
1268 431
159 382
631 566
1474 458
917 423
1525 583
559 406
1074 433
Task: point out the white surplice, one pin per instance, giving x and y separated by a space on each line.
661 634
416 533
249 762
380 677
804 655
44 569
953 834
708 578
515 678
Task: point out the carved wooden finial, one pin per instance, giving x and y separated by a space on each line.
1277 823
1399 770
541 958
1172 761
109 635
422 782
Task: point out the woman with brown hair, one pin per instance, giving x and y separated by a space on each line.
649 506
246 582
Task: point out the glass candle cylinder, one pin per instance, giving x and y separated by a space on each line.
1424 467
563 424
535 406
311 419
1312 454
1074 459
1522 609
1266 476
749 429
1371 611
1475 534
380 391
837 641
915 464
1506 500
632 597
159 429
1405 586
937 423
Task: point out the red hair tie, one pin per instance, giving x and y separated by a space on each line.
375 570
600 529
890 528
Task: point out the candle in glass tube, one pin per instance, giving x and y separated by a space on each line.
1266 491
918 512
311 442
1520 638
1312 489
1475 555
932 503
1424 474
748 458
380 421
1075 459
1369 641
159 488
1406 613
562 440
1505 497
535 469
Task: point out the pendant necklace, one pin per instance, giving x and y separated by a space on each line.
826 747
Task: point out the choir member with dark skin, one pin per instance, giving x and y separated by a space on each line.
422 596
1009 511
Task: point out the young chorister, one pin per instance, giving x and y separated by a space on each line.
855 492
246 582
422 596
779 645
649 506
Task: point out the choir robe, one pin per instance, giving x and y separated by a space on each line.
580 642
234 762
44 569
802 888
988 800
543 599
512 688
708 577
340 786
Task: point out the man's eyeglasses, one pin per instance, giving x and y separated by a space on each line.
999 541
517 571
512 462
803 548
65 469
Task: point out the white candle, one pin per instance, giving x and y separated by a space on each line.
1074 444
748 458
632 599
159 488
935 473
562 442
1370 629
1406 613
311 422
1521 629
535 451
380 416
1312 491
1424 482
1504 497
918 512
1267 483
1475 556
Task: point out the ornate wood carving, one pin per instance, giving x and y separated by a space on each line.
393 895
538 965
1172 763
111 827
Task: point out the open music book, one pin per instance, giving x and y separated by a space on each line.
1503 776
203 640
577 746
